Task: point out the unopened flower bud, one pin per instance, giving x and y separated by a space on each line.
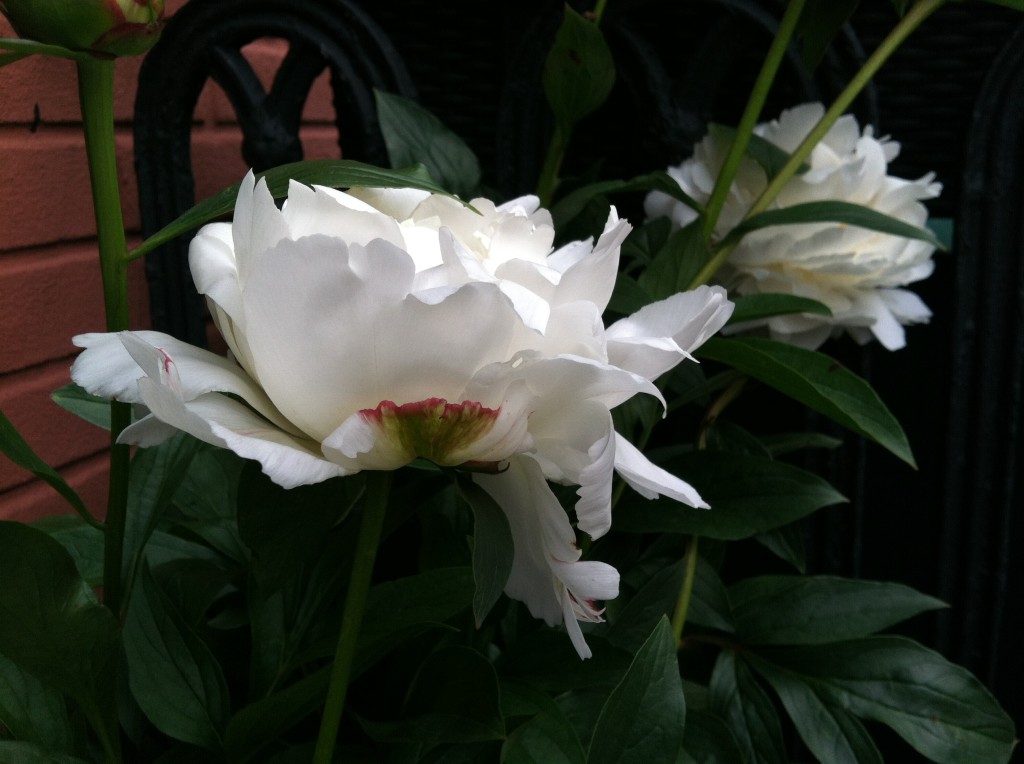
111 27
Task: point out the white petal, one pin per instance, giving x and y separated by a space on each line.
219 420
593 277
659 335
650 480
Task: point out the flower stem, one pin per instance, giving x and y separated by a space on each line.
378 485
915 16
96 99
921 11
686 592
758 96
548 181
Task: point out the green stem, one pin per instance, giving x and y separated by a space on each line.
686 592
378 485
599 10
548 181
758 96
96 99
914 18
888 46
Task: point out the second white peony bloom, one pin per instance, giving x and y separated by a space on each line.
374 327
857 273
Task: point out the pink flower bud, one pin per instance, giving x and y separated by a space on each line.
106 27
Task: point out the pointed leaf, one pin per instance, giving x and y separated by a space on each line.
814 610
787 543
33 711
454 698
771 158
819 25
644 717
677 263
91 408
709 740
173 676
493 548
738 699
579 72
31 47
547 738
52 626
412 134
833 212
815 380
829 732
573 203
939 708
336 173
83 542
156 475
20 452
747 494
752 307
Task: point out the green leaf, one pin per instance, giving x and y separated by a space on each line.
547 660
52 626
412 134
1017 5
709 603
939 708
709 740
819 24
573 203
336 173
20 452
547 738
395 611
83 542
644 717
739 700
492 548
753 307
814 610
156 475
771 158
33 711
787 543
782 443
846 213
395 608
454 699
829 732
676 263
24 48
173 676
748 495
19 752
817 381
91 408
579 72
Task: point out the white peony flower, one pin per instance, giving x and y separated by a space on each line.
373 327
856 272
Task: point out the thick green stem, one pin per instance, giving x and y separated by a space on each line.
96 98
686 592
900 32
758 96
378 485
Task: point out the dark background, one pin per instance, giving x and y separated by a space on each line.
953 96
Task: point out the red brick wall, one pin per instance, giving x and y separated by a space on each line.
49 274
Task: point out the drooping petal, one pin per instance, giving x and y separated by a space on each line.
650 480
113 363
658 336
546 572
